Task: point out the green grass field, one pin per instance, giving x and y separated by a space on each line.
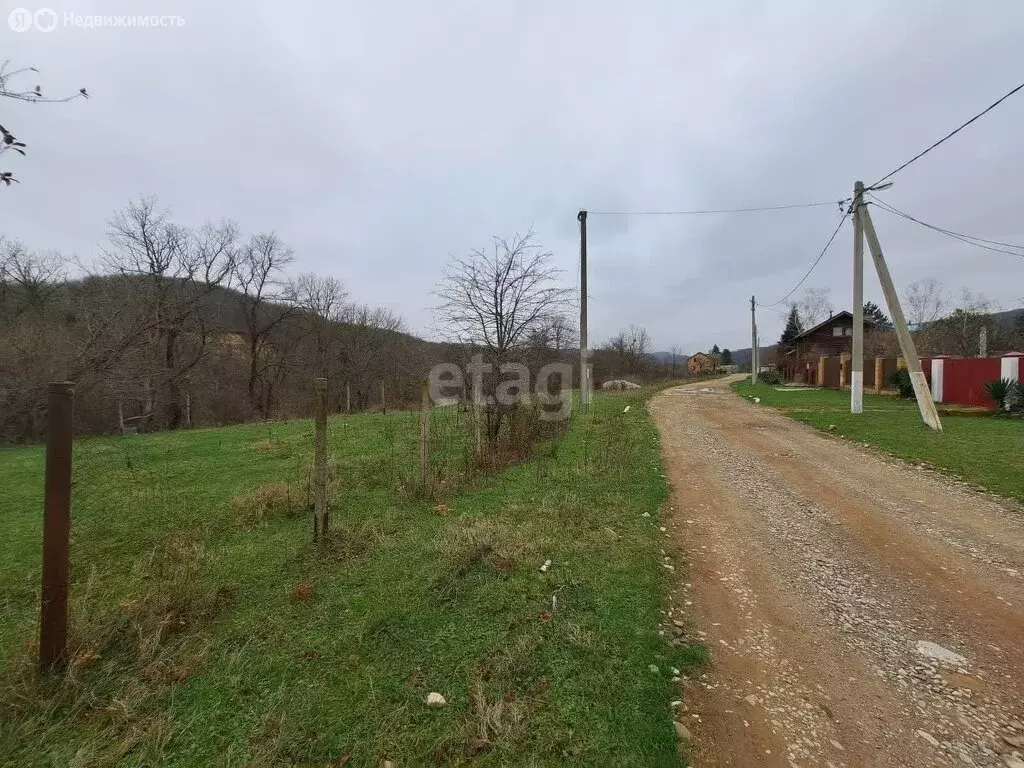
984 450
206 633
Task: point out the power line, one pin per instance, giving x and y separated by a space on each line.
978 242
893 209
701 212
949 135
813 265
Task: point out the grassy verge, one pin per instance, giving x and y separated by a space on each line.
209 631
985 450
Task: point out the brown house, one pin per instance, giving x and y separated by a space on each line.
702 362
830 338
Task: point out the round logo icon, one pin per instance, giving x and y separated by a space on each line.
45 20
20 20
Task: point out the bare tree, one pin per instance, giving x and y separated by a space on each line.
28 280
815 305
959 332
34 95
675 352
172 270
322 301
366 341
925 301
563 331
630 349
265 306
495 299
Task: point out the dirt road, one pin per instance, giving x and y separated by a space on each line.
859 611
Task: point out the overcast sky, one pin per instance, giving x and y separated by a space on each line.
379 137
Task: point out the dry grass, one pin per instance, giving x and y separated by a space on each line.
123 658
495 718
269 445
476 540
272 501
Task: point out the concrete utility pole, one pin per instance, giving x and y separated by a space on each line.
584 349
753 341
913 362
857 360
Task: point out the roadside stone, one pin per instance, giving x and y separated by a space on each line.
935 651
436 700
929 738
681 730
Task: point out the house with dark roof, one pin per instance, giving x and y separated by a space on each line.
831 338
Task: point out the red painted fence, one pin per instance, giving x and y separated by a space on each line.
962 379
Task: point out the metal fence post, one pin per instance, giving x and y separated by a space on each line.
53 609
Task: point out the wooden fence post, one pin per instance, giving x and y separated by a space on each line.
188 402
383 402
320 513
424 432
348 398
53 610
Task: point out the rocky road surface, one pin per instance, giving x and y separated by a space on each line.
859 611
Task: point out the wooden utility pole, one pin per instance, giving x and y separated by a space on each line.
857 360
584 349
753 341
424 432
53 613
913 362
321 520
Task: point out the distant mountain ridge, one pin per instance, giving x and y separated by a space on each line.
666 357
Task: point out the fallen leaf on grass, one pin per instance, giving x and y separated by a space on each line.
442 509
177 675
545 616
303 591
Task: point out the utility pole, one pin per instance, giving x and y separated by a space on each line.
757 346
753 341
913 362
584 349
857 361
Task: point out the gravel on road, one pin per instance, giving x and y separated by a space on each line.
859 611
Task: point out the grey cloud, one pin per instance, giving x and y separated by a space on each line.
377 138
